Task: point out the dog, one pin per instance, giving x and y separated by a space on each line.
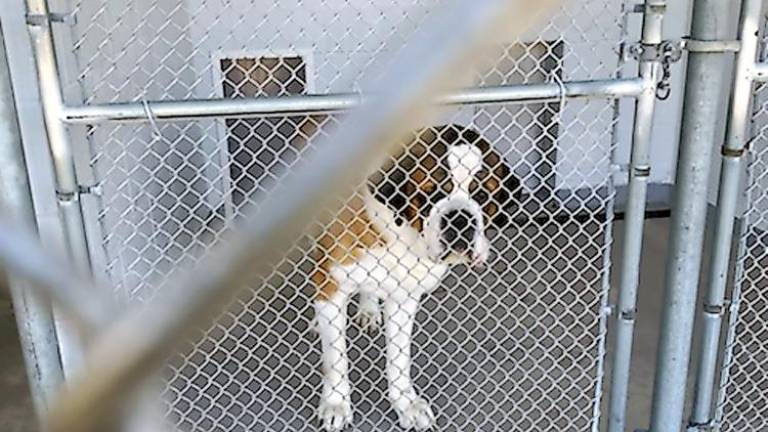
426 209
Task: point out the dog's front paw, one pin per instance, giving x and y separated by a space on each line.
415 414
369 316
335 416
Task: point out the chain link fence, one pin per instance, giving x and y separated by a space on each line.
743 386
518 346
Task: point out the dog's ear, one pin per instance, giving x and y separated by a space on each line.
390 186
504 189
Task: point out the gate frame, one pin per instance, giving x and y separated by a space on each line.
639 173
58 116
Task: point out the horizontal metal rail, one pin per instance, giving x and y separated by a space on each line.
316 104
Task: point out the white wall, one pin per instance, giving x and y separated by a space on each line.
351 41
167 52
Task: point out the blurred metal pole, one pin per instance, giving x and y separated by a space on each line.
639 171
53 278
703 106
67 192
727 200
136 345
34 315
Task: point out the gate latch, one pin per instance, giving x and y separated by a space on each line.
671 52
666 53
89 189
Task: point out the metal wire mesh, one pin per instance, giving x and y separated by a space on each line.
516 347
743 387
164 50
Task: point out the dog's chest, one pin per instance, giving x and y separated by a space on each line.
384 271
400 266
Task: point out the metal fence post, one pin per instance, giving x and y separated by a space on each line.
703 106
639 172
33 312
732 164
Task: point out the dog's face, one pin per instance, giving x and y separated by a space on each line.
448 184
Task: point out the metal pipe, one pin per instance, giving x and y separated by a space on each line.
313 104
703 105
727 200
67 192
639 172
137 344
34 315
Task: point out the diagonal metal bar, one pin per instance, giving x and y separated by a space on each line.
83 299
131 349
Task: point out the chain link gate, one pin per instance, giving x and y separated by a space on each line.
743 380
196 110
518 347
742 386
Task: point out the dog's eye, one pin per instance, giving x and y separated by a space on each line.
437 195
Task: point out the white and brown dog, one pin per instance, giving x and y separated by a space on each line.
426 209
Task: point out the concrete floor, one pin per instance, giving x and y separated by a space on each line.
649 314
16 413
16 407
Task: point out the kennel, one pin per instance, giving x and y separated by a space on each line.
181 115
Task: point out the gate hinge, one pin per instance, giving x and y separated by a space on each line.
40 20
700 427
714 46
607 310
620 167
658 7
89 189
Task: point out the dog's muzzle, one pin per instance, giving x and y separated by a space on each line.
455 232
458 229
